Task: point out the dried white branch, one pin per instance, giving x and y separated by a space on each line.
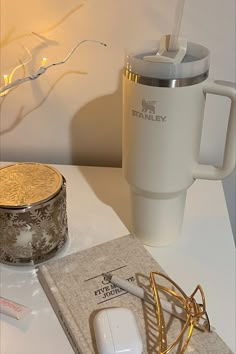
21 65
43 69
12 73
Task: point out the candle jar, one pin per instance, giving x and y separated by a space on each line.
33 218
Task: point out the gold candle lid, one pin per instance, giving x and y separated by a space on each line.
25 184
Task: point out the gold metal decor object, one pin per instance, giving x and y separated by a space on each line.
196 315
25 184
33 218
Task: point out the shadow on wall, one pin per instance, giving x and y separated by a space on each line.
22 114
117 198
96 139
96 131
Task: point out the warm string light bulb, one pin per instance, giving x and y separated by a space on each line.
6 79
44 61
9 84
6 82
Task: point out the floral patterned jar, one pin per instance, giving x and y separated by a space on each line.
33 219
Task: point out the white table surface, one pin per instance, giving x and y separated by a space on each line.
98 210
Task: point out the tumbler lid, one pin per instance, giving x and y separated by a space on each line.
195 63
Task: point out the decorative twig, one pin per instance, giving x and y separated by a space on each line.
20 66
8 80
44 68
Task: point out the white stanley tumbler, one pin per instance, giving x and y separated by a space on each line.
163 108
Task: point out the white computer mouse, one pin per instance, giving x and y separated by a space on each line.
116 332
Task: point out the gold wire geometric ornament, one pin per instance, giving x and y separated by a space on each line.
196 315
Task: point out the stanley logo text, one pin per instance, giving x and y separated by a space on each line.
149 112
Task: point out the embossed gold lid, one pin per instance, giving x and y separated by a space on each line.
26 184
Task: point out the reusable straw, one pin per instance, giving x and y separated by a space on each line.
173 45
172 49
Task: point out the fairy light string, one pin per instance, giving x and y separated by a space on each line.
9 84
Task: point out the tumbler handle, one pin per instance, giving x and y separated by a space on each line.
228 89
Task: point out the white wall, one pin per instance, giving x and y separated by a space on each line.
230 194
73 113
